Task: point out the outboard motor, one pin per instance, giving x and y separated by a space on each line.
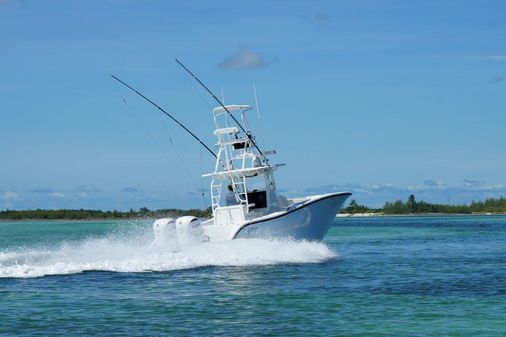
189 230
165 233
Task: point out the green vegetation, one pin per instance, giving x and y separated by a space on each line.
411 206
354 208
84 214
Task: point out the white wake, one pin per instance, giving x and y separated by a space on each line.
135 255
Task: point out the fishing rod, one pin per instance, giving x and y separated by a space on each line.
168 115
224 107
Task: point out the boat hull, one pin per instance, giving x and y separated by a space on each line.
306 221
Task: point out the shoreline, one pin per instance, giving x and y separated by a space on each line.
367 215
338 216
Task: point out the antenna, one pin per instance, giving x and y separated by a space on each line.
258 111
222 96
224 108
256 99
223 100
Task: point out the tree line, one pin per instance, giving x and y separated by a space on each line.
412 206
88 214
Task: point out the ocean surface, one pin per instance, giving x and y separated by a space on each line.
381 276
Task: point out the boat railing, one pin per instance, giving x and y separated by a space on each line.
238 158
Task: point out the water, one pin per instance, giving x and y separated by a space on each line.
388 276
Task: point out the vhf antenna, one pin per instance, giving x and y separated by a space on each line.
225 108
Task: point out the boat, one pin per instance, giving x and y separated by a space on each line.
245 200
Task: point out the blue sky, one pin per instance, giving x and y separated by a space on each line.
381 98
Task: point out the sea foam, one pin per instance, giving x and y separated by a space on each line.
135 254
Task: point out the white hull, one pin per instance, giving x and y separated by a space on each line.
309 219
244 197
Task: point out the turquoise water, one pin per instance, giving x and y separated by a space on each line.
388 276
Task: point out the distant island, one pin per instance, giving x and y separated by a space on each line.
86 214
411 206
398 207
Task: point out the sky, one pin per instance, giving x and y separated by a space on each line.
380 98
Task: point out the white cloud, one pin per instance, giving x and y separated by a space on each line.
473 183
73 195
244 58
430 190
130 189
476 185
9 195
428 184
76 193
42 190
86 189
59 195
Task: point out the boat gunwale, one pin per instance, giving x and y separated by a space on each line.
308 203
